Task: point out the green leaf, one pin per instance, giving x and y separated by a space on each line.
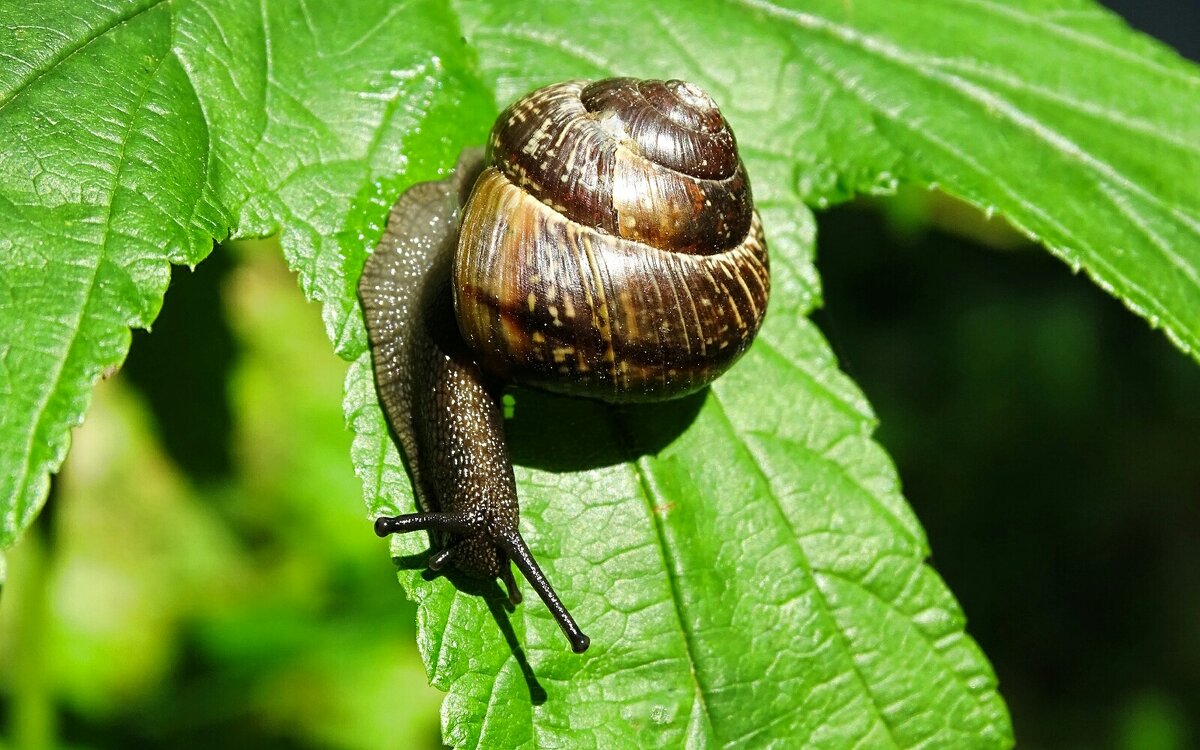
137 132
92 216
744 562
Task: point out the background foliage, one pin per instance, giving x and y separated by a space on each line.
212 561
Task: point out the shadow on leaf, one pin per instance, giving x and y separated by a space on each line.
565 434
497 603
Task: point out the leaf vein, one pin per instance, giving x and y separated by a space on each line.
69 52
802 555
38 414
648 494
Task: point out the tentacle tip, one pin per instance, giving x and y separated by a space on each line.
580 643
383 526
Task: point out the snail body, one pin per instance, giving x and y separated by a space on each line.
606 247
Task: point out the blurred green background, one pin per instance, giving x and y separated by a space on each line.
204 572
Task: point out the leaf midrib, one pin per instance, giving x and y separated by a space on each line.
802 555
665 552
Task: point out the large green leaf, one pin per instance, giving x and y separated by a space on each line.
104 182
743 561
135 132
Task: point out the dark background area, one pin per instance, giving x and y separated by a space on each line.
1047 439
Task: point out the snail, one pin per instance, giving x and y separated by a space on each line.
605 246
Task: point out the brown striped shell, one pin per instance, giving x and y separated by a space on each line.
611 249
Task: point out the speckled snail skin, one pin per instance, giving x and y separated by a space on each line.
607 247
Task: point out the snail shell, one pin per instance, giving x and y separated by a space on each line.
607 248
611 248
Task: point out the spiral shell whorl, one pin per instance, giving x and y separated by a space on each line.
615 277
672 123
649 161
